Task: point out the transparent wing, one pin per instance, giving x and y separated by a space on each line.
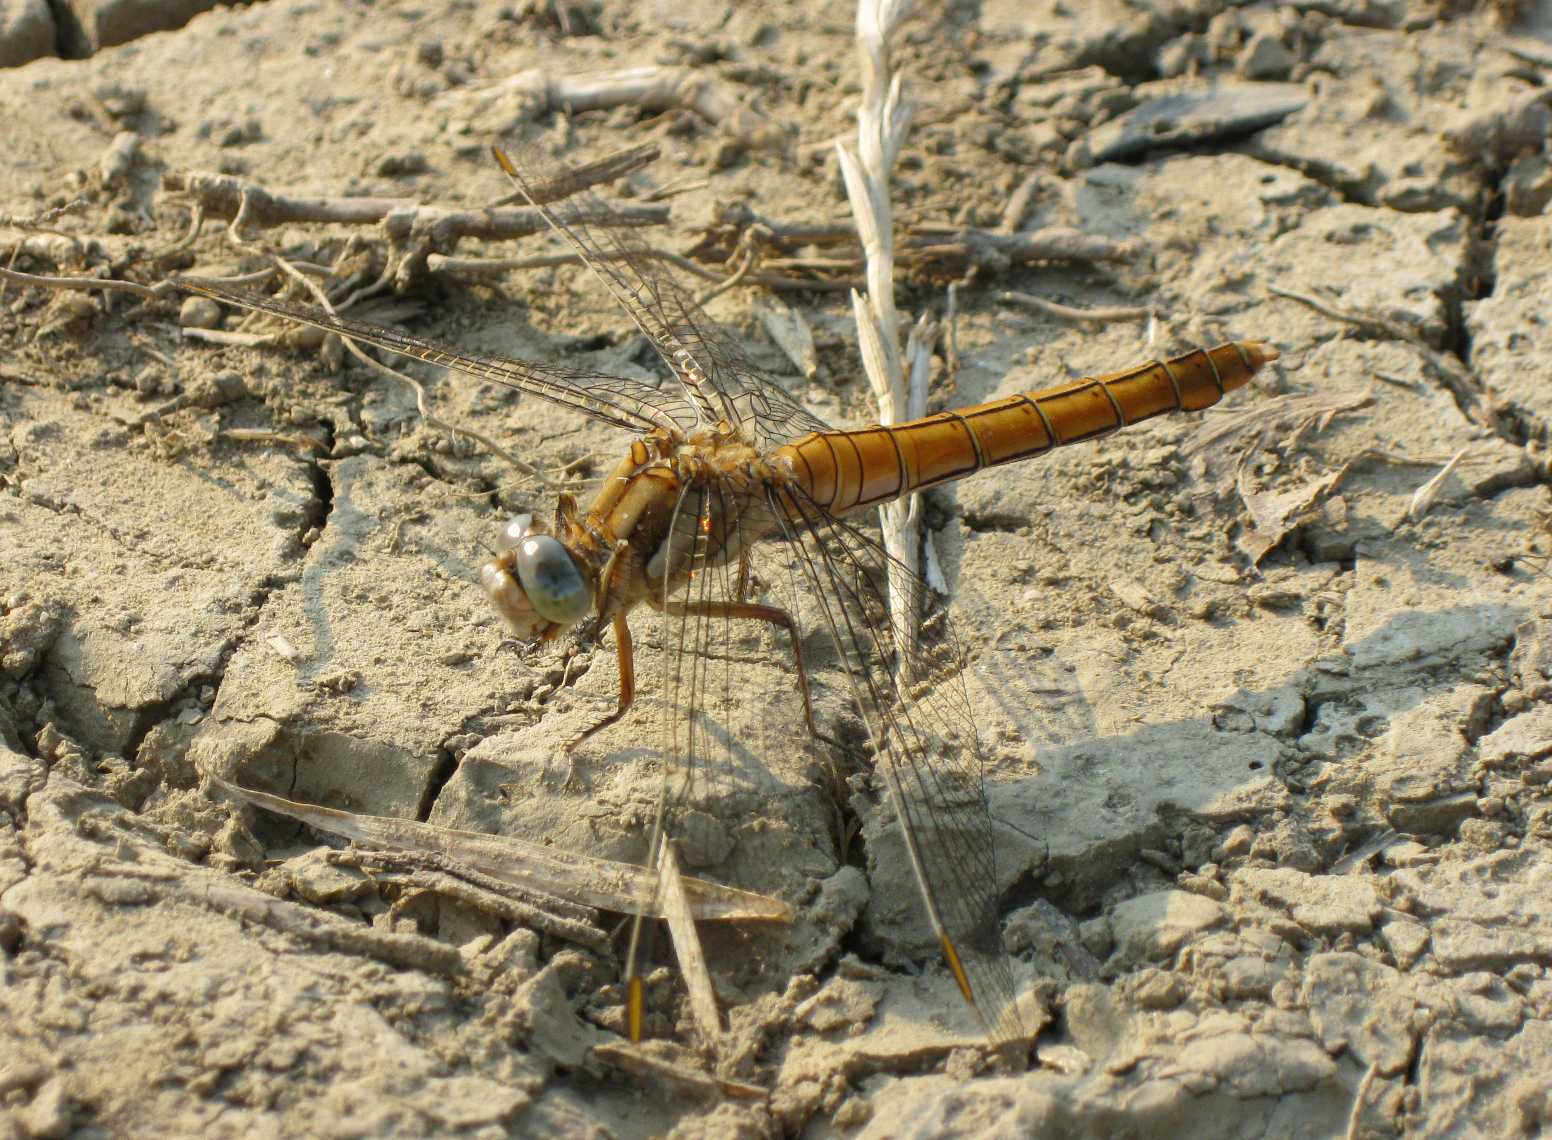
825 576
735 783
926 754
616 400
718 378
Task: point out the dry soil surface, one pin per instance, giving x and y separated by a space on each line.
1265 692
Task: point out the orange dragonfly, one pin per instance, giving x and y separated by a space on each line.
732 491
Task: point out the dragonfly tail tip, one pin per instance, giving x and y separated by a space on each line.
1259 353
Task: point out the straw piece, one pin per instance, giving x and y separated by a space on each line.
601 883
687 945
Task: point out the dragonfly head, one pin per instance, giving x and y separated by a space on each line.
534 582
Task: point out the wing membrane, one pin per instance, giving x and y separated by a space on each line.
718 378
827 574
616 400
926 754
736 790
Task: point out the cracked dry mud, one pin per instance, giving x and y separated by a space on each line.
1273 837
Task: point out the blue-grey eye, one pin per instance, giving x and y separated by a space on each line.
551 579
514 532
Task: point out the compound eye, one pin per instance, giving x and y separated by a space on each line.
551 579
514 532
508 598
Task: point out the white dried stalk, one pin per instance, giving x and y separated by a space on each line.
918 358
1425 496
687 946
882 120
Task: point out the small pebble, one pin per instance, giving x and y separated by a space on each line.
429 52
401 165
1265 57
199 313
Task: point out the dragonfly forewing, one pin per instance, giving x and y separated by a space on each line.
616 400
718 376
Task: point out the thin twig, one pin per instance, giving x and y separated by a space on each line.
1018 203
417 872
610 168
539 92
223 196
1355 1116
190 235
259 435
422 402
85 284
159 291
441 263
1456 378
38 223
319 928
746 263
674 187
413 232
356 296
816 264
1047 243
931 248
227 338
1072 313
661 1073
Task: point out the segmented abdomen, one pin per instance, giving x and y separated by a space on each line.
847 470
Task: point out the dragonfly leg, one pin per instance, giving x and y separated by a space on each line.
771 615
624 653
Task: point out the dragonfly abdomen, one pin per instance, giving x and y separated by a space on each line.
848 470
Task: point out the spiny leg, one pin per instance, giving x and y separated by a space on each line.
771 615
624 652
